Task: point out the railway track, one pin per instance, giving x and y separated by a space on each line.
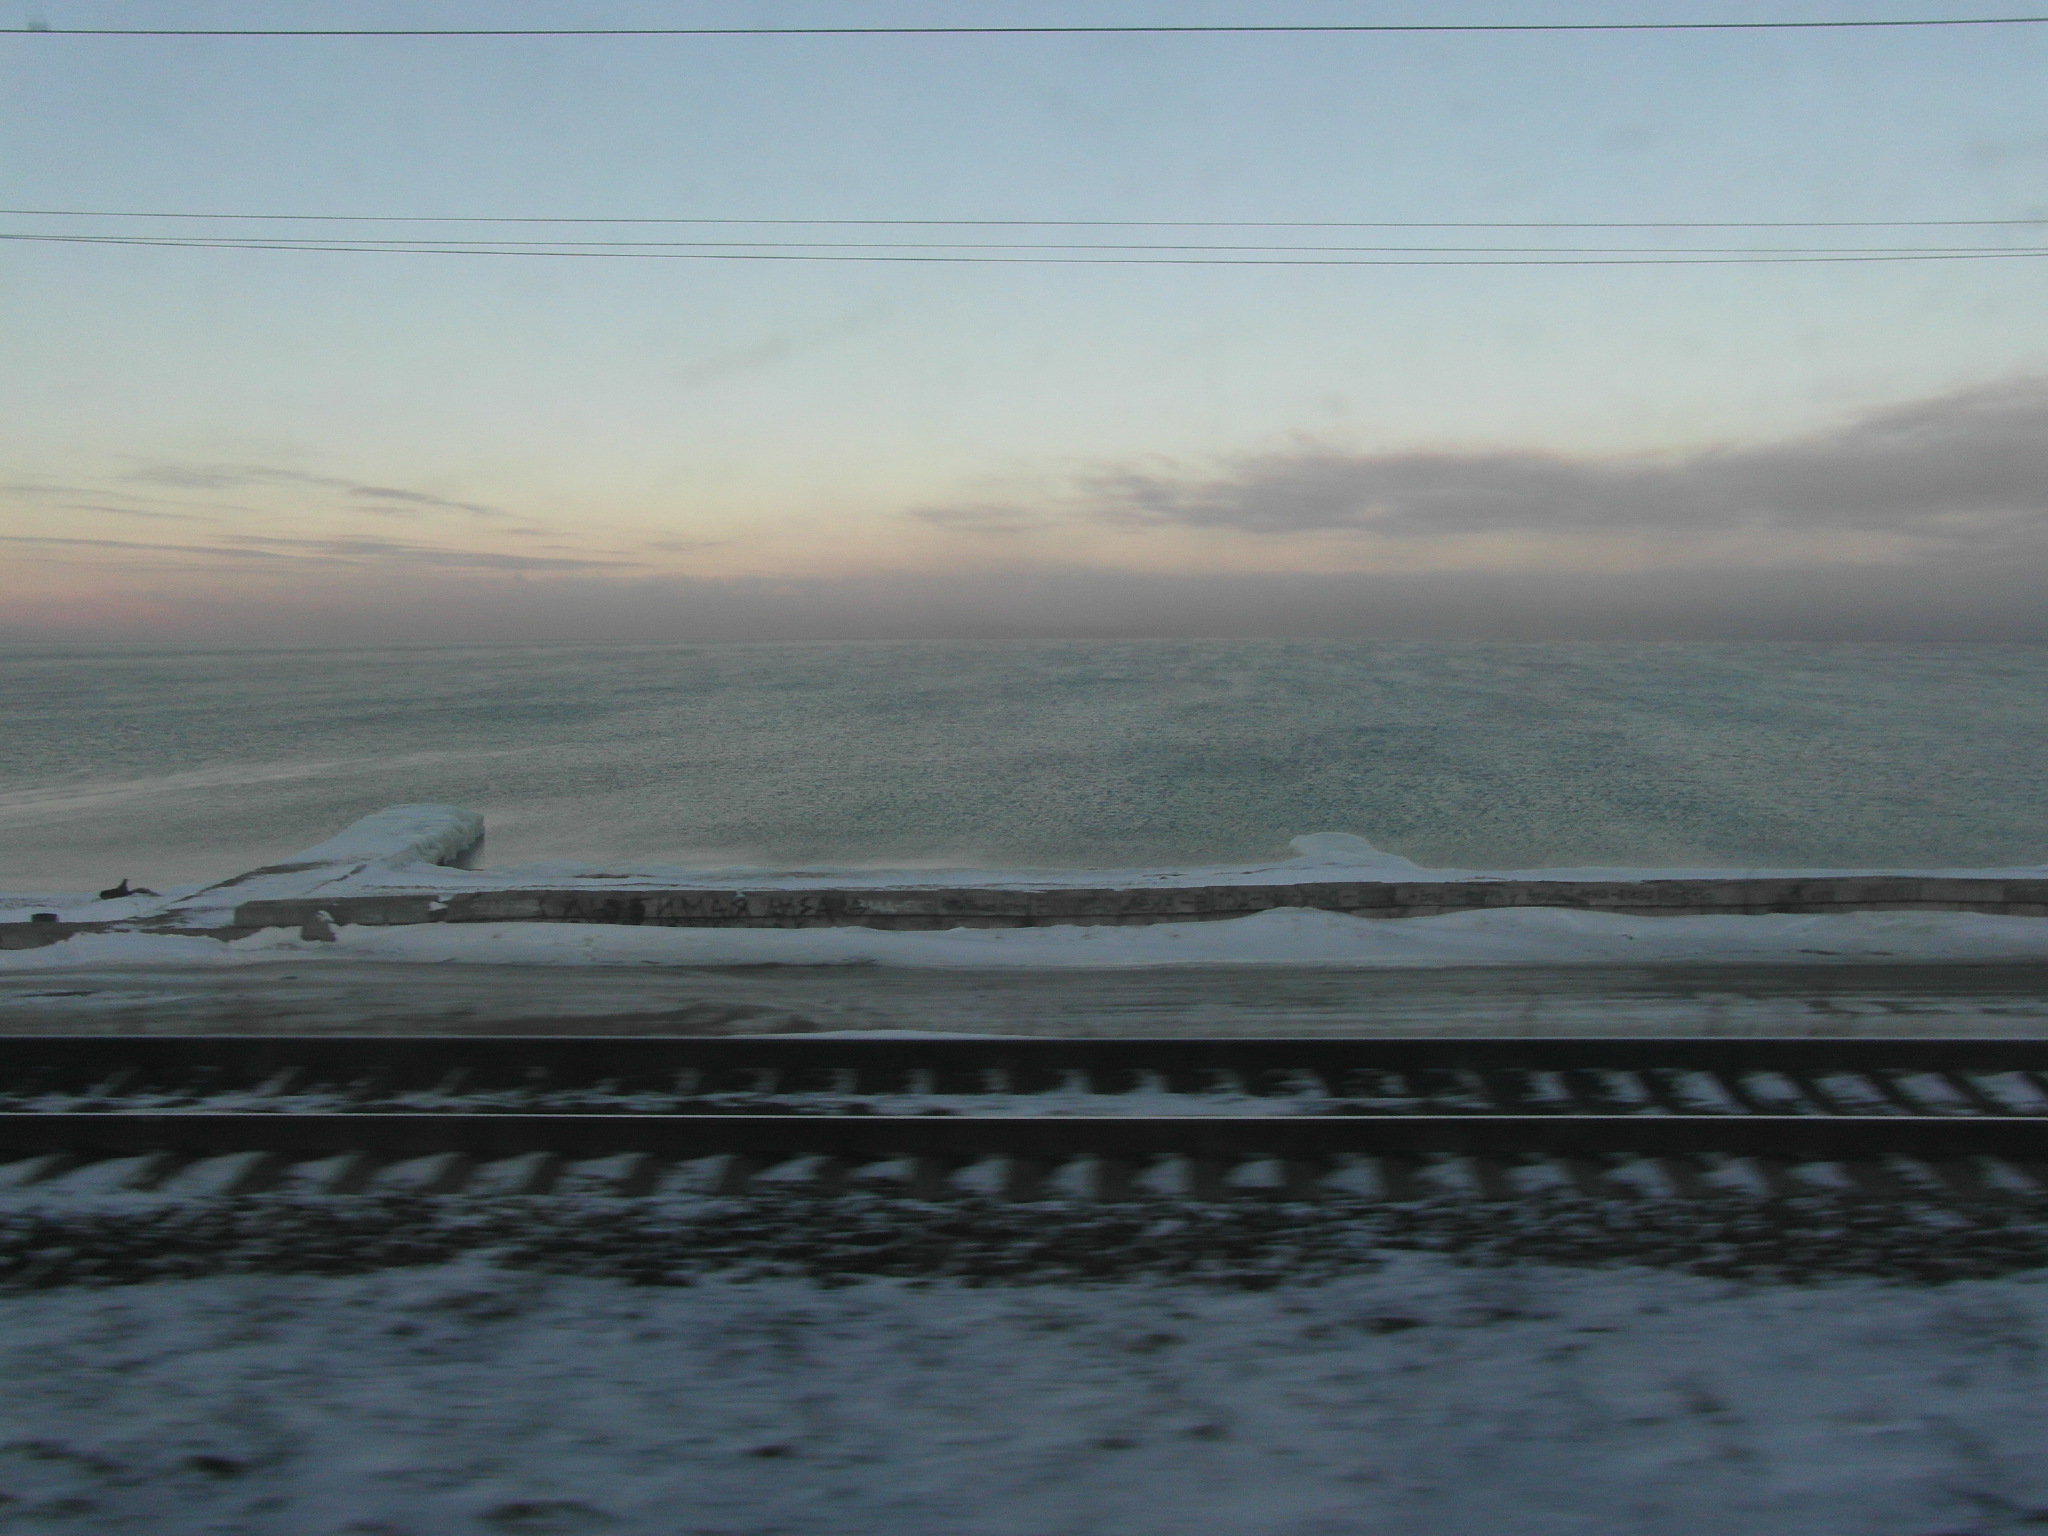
1027 1118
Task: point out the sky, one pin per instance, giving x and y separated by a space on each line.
280 446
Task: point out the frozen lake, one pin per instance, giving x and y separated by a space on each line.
167 765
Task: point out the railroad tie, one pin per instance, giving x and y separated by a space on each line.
1495 1119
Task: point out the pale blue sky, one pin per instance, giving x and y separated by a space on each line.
695 421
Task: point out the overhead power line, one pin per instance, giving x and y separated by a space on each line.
571 247
1378 257
1247 28
427 218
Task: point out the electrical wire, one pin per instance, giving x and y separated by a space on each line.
570 246
1247 28
423 218
1479 258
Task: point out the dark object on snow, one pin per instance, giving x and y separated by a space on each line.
42 917
115 893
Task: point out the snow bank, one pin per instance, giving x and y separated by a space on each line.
399 837
421 849
1505 936
1344 851
400 845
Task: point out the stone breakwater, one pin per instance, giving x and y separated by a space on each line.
955 907
394 869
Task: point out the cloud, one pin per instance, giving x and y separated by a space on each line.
169 517
220 477
189 478
346 550
1966 470
1924 522
420 499
69 498
776 349
37 488
995 519
180 549
393 552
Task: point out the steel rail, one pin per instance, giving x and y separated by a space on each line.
513 1059
879 1137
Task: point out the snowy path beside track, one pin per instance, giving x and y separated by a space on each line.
1420 1398
316 995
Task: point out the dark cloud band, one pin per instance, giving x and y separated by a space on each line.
1967 470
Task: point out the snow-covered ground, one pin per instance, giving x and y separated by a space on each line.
1817 996
1295 936
1422 1399
397 847
426 848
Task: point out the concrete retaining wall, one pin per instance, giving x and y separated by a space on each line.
966 907
944 907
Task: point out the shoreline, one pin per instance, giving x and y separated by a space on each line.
399 886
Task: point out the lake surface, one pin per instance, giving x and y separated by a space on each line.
166 765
